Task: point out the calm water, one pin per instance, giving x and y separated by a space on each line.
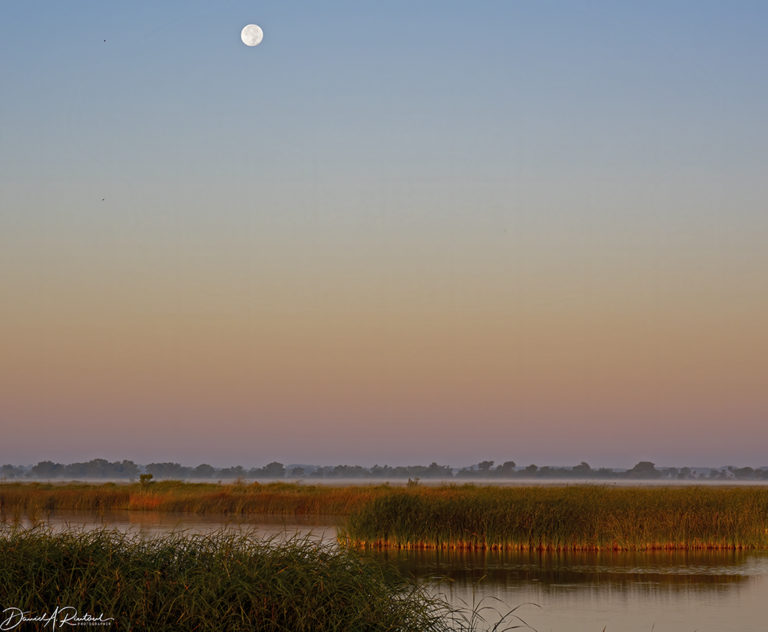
628 592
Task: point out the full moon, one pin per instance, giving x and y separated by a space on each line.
252 35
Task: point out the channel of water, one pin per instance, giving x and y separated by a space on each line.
566 592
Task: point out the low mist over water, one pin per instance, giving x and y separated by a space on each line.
484 472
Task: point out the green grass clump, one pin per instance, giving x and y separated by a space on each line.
564 518
223 581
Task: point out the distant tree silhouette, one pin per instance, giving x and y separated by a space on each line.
101 468
506 469
10 471
582 468
644 469
274 470
46 469
233 472
168 470
204 471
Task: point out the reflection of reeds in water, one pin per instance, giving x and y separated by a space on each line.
216 582
578 518
647 571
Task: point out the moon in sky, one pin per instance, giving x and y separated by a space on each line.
252 35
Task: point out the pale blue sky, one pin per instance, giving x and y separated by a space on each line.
578 183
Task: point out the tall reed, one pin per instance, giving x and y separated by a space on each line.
564 518
223 581
583 517
45 497
201 498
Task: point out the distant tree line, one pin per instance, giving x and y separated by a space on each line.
128 470
101 468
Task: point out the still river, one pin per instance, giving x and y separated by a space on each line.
573 592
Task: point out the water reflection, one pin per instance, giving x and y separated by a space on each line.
709 591
679 570
149 523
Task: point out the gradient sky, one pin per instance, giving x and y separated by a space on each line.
394 232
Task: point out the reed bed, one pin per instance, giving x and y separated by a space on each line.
587 517
215 582
199 498
37 497
578 518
